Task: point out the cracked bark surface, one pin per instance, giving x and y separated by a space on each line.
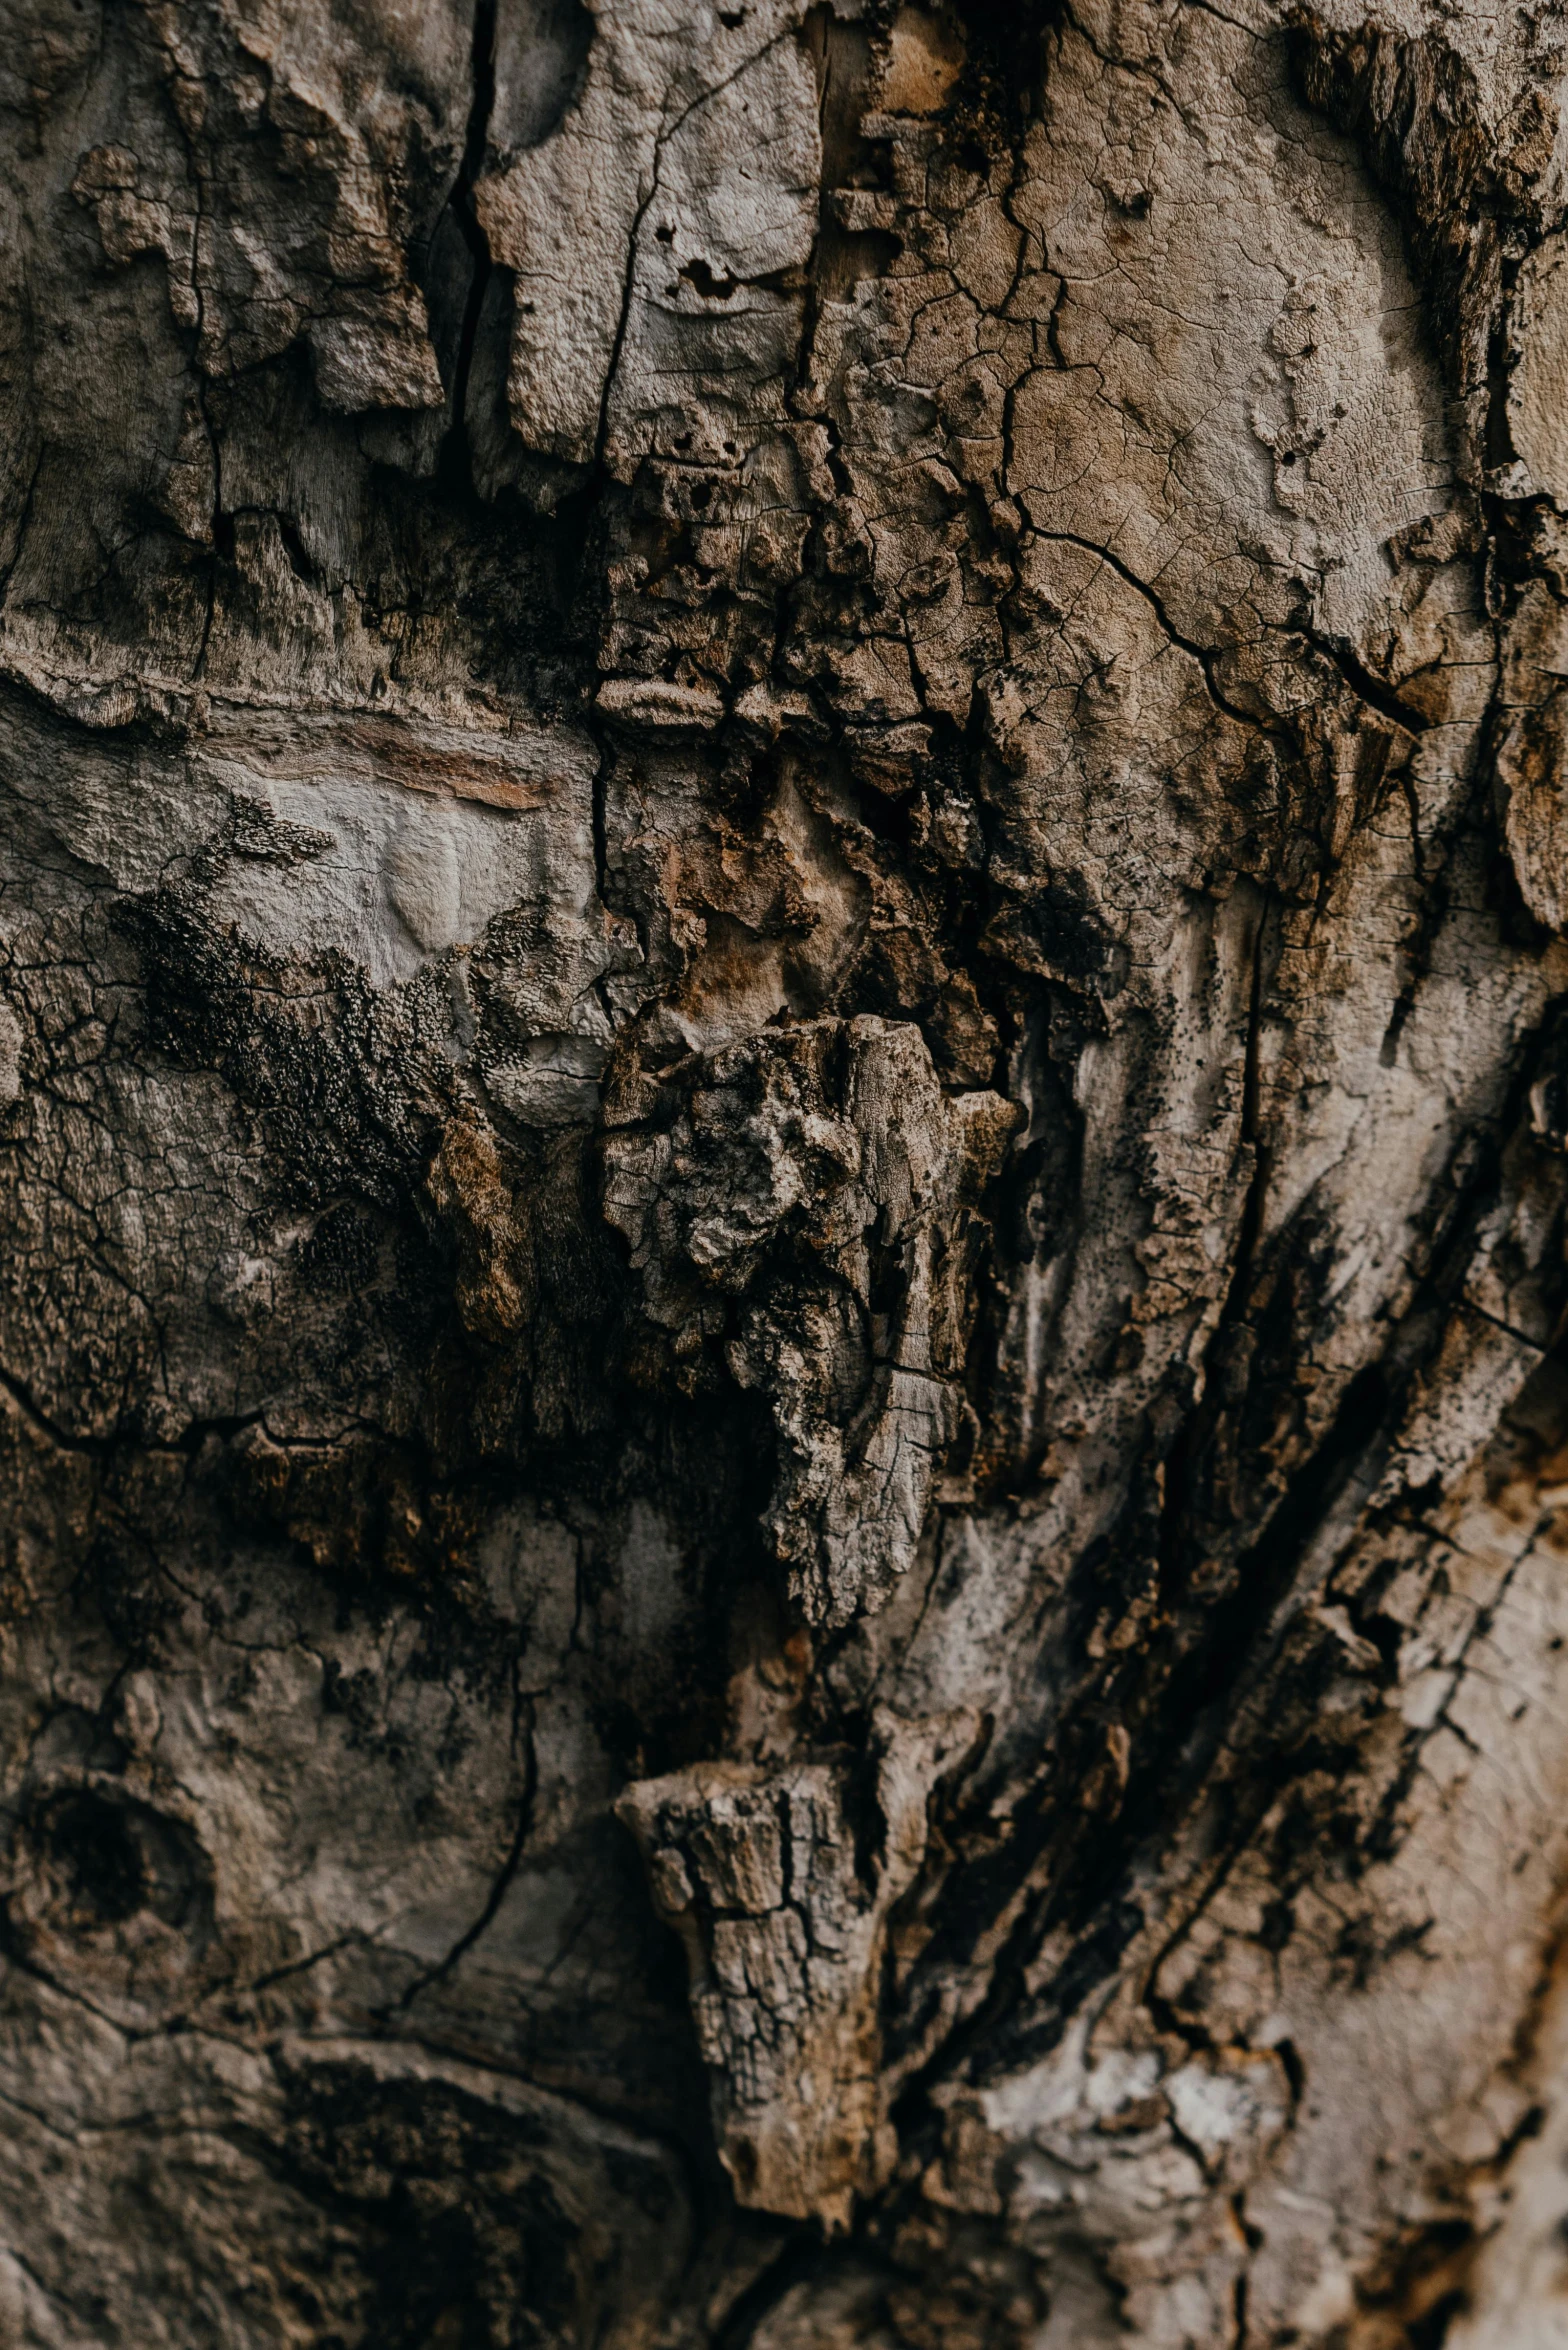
783 1103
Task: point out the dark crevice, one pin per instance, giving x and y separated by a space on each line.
463 213
1364 685
1005 41
599 814
799 2260
498 1890
127 1442
1196 1432
95 1447
1207 656
1208 1678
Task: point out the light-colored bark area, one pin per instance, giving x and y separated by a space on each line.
783 1092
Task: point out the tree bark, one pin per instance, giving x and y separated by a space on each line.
783 1089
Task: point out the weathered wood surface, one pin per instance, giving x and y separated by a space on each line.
782 1110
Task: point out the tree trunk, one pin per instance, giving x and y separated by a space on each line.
783 1090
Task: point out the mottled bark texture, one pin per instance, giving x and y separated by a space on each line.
783 1101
